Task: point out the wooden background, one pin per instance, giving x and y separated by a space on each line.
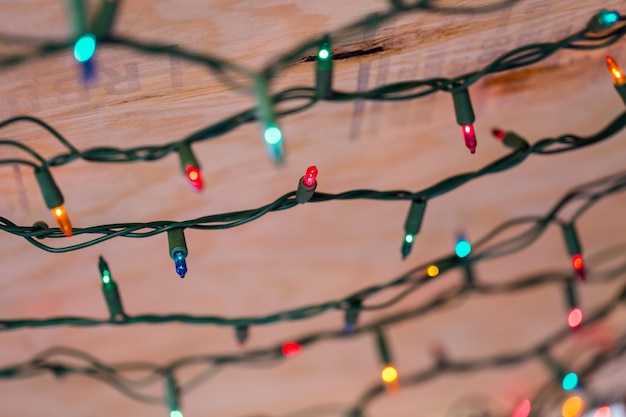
315 252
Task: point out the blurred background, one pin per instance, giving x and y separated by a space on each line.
315 252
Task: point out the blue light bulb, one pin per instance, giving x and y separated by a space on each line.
180 263
463 248
84 48
570 381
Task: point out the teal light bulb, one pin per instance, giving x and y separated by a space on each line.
463 248
608 18
273 135
408 238
570 381
84 48
176 413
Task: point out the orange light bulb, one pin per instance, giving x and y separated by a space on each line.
616 71
63 219
572 407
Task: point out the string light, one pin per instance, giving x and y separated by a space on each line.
616 72
463 247
110 291
619 81
465 117
389 374
351 316
307 185
523 409
412 225
241 334
265 113
572 407
178 250
574 249
575 318
324 70
604 411
570 381
432 271
575 315
54 199
190 166
511 139
172 394
178 414
603 20
290 349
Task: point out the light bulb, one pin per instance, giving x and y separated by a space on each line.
273 135
570 381
470 137
180 263
194 177
432 271
522 410
616 72
309 179
63 219
575 317
85 47
462 248
290 349
572 407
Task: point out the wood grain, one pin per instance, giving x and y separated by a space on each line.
315 252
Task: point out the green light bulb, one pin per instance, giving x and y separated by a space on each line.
106 277
409 238
84 48
323 53
273 135
176 413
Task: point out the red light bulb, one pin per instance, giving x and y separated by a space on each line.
470 137
579 266
194 177
603 411
575 317
498 133
522 410
291 349
309 179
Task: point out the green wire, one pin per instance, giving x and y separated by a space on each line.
590 194
287 201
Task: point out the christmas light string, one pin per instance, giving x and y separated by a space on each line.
46 362
601 31
227 220
274 145
484 248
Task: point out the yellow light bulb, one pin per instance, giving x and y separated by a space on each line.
616 71
63 219
389 374
432 271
